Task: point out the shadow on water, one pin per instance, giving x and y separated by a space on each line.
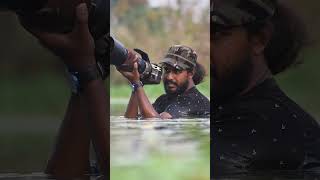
160 149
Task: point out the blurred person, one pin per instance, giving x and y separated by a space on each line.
256 127
87 115
182 73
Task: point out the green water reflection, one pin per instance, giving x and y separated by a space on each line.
158 149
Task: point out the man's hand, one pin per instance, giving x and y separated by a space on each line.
133 76
75 48
133 57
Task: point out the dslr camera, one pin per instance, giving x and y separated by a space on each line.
58 16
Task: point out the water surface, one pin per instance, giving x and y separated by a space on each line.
160 149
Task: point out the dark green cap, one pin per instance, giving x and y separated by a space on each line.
239 12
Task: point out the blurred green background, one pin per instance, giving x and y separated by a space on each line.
34 92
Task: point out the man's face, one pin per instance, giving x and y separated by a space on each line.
175 81
231 63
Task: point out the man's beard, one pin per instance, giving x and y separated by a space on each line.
233 83
179 89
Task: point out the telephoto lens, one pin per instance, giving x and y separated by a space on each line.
150 73
110 51
22 5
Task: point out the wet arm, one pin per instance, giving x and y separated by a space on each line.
132 108
146 108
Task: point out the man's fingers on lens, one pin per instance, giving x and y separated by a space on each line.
136 71
136 58
135 66
132 57
82 14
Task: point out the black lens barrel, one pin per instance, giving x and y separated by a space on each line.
100 18
22 5
118 53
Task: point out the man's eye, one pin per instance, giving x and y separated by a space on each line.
221 33
166 70
177 71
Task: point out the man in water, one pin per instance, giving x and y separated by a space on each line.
182 73
255 125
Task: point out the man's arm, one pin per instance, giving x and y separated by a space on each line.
132 108
98 110
70 157
146 108
139 98
76 49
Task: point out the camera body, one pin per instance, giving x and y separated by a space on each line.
58 16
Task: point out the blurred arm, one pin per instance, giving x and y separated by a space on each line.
98 109
71 154
70 157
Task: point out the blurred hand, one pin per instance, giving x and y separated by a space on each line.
75 48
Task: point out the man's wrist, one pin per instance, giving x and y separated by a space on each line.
82 63
135 85
80 79
135 81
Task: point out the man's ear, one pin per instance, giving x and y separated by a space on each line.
261 40
191 73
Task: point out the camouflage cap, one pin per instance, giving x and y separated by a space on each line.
239 12
180 56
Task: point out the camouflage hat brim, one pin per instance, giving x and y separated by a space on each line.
174 63
239 12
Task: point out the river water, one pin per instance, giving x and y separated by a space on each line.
160 149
